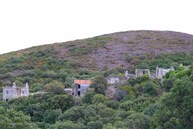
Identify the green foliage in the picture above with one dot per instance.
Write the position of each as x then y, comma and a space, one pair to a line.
88, 97
135, 104
88, 45
119, 94
62, 102
99, 85
138, 80
67, 125
150, 88
108, 126
36, 111
11, 119
55, 87
73, 114
37, 87
132, 91
99, 98
142, 79
151, 109
112, 104
132, 81
106, 112
50, 116
138, 121
95, 125
166, 60
168, 83
138, 106
176, 106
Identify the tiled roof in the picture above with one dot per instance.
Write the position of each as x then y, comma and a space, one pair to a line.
82, 81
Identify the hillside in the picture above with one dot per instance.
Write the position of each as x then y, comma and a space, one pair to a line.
86, 57
109, 50
139, 102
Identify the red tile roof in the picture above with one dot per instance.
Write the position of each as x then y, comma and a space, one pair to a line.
82, 81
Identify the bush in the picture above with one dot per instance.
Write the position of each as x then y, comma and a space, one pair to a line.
99, 98
99, 85
150, 88
54, 87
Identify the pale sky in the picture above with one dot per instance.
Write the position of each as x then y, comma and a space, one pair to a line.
26, 23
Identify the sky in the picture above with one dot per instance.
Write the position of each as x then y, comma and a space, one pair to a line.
27, 23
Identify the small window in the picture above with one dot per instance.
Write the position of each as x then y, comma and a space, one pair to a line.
78, 86
143, 72
7, 92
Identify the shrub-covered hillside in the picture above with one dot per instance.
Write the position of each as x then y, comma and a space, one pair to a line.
87, 58
137, 103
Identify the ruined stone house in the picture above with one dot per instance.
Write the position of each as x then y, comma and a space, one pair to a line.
11, 92
81, 86
185, 67
161, 72
69, 91
128, 75
142, 72
113, 79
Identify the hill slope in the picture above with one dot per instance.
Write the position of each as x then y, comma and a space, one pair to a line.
110, 50
137, 103
98, 53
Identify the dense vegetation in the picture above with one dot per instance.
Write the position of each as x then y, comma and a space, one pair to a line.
138, 103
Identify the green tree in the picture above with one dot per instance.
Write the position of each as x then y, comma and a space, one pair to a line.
35, 111
62, 102
137, 104
11, 119
95, 125
55, 87
138, 121
99, 85
73, 114
151, 109
99, 98
150, 88
37, 87
88, 97
168, 83
112, 104
50, 116
176, 107
142, 79
67, 125
108, 126
50, 74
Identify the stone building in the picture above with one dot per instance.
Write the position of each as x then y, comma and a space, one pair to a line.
112, 79
11, 92
128, 76
141, 72
185, 67
161, 72
81, 86
69, 91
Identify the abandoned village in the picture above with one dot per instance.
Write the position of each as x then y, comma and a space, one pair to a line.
82, 86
